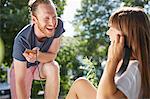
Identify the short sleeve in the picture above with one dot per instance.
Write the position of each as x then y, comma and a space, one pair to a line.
124, 84
19, 48
59, 29
129, 82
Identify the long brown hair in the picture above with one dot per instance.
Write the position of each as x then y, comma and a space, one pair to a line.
135, 25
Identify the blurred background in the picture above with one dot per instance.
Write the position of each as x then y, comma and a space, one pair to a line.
84, 46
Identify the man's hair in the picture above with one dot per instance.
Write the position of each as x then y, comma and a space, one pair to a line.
33, 4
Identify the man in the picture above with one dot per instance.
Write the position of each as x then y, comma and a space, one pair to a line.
42, 37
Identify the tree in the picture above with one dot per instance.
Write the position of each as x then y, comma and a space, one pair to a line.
91, 23
13, 16
67, 59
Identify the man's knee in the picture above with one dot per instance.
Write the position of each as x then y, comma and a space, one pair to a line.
51, 68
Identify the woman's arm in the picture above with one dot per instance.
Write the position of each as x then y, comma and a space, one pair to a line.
107, 87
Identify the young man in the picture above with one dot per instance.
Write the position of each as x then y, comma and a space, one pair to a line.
42, 37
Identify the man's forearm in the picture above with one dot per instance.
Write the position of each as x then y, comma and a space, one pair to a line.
45, 57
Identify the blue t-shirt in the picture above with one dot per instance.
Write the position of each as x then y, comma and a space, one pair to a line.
26, 39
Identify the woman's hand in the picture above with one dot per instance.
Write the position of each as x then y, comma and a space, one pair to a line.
115, 51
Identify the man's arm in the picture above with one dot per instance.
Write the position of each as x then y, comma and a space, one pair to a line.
44, 57
20, 72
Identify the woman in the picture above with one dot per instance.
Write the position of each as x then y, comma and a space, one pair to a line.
134, 25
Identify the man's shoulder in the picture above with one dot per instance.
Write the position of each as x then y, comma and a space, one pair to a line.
60, 23
59, 29
25, 32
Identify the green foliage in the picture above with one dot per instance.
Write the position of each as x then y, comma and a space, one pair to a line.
91, 23
1, 50
3, 72
73, 66
68, 63
60, 6
89, 70
140, 3
13, 16
36, 88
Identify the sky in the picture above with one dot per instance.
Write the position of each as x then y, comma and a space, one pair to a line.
68, 16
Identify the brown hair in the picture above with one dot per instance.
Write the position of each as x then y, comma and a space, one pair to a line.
135, 25
33, 4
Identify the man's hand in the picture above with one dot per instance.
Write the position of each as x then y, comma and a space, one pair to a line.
31, 55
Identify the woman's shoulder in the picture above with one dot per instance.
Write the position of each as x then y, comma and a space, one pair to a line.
130, 81
134, 62
133, 66
132, 70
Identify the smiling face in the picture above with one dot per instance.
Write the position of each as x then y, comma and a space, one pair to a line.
45, 20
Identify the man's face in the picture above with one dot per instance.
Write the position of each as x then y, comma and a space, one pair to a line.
45, 20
